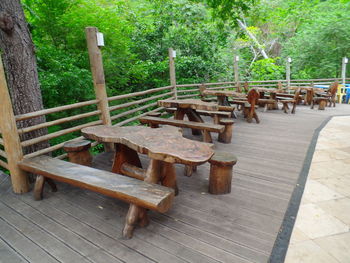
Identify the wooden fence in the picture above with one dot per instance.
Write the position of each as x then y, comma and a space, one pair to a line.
117, 110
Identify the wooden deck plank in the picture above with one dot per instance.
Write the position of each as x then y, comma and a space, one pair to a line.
55, 227
7, 254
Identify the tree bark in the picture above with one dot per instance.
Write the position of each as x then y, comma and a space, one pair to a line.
21, 70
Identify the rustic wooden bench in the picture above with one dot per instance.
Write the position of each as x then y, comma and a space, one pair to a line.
155, 121
133, 191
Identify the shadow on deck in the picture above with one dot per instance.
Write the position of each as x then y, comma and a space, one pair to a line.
74, 225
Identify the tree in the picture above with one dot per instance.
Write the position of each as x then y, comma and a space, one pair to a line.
20, 65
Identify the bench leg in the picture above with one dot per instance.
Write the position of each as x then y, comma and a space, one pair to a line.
124, 154
294, 106
39, 187
255, 116
285, 107
322, 104
226, 135
134, 216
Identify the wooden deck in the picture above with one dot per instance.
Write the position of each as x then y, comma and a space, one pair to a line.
74, 225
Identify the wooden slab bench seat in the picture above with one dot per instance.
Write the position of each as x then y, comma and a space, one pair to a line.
267, 103
208, 127
133, 191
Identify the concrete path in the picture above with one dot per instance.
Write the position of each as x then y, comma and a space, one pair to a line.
322, 229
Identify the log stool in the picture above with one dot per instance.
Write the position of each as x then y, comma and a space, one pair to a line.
226, 135
78, 152
322, 102
154, 114
221, 172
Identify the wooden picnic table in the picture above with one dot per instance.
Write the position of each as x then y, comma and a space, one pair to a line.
189, 108
165, 146
310, 91
223, 95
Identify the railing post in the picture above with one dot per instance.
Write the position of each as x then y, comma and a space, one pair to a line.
289, 60
10, 136
343, 69
236, 72
96, 64
172, 55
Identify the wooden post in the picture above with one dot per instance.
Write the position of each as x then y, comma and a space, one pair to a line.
236, 73
11, 138
98, 77
343, 69
289, 60
172, 55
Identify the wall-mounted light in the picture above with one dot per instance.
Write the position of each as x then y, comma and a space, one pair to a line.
345, 60
100, 40
174, 54
289, 59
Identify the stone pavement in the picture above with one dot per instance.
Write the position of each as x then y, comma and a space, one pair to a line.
322, 229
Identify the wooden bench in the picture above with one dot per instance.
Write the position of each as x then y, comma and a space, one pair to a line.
322, 102
208, 127
139, 194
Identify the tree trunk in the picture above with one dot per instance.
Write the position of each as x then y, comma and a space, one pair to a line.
21, 70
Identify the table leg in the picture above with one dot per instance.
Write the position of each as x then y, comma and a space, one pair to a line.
192, 117
197, 118
124, 154
168, 176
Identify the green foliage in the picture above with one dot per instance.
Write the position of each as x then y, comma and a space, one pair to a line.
267, 69
319, 45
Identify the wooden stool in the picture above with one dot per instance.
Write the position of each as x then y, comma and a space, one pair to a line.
322, 102
78, 152
154, 114
221, 172
226, 135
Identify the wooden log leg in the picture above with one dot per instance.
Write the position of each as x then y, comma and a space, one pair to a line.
207, 137
265, 107
39, 187
132, 219
226, 135
168, 176
322, 105
192, 117
179, 114
312, 104
52, 184
124, 154
188, 170
255, 116
143, 218
216, 119
220, 179
294, 107
245, 112
286, 107
153, 125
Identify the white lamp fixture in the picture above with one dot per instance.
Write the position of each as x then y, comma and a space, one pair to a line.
289, 59
236, 58
174, 54
345, 60
100, 40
